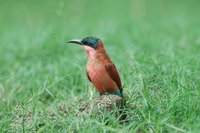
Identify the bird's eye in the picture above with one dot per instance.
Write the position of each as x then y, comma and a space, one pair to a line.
85, 42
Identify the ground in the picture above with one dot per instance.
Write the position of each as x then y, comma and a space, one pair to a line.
154, 44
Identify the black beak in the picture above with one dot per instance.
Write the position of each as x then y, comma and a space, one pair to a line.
76, 41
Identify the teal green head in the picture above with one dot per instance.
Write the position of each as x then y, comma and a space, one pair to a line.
88, 41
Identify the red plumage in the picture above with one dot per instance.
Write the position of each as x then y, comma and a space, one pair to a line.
101, 71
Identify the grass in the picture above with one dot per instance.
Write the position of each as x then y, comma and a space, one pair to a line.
155, 46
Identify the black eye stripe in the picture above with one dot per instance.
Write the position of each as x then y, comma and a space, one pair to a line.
85, 42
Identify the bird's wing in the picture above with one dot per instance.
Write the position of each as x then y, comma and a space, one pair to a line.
113, 73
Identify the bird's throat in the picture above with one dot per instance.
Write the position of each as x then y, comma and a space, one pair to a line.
91, 52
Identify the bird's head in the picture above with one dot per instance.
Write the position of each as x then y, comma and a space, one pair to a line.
90, 44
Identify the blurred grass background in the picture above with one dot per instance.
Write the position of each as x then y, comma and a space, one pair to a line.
155, 45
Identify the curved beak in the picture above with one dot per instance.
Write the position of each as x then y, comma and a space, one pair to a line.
75, 41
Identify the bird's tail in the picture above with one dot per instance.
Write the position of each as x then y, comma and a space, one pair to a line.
117, 92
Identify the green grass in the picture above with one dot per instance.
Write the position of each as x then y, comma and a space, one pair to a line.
154, 44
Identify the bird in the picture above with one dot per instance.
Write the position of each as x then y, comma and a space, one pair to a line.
101, 71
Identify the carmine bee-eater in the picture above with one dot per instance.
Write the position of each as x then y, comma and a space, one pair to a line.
100, 69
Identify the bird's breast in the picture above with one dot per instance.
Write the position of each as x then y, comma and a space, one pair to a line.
94, 69
100, 77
